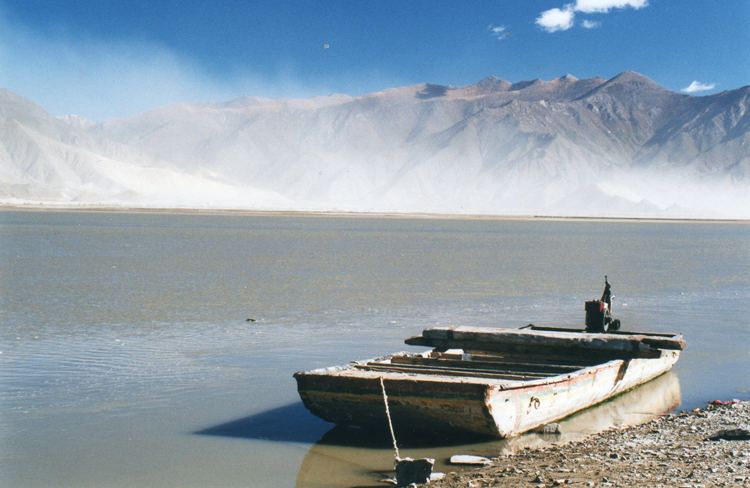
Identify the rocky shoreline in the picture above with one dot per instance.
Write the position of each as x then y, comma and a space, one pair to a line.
703, 448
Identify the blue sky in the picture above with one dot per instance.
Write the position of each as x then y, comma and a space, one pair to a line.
103, 59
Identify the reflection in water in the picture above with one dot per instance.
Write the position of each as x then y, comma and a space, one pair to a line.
352, 458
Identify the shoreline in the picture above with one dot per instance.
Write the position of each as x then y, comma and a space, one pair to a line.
673, 450
351, 214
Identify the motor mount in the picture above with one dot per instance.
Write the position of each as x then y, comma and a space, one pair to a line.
599, 312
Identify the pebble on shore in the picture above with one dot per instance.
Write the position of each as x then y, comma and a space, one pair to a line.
675, 450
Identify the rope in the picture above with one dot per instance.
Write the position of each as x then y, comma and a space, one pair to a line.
388, 414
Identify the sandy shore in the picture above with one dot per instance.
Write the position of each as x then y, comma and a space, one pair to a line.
675, 450
334, 213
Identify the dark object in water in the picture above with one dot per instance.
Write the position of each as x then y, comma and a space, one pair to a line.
409, 471
731, 435
599, 312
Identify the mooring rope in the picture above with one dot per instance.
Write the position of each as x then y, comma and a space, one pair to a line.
390, 424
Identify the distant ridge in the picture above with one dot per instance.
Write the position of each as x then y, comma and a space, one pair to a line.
585, 147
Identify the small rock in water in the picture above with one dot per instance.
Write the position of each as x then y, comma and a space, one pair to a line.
551, 428
466, 459
731, 435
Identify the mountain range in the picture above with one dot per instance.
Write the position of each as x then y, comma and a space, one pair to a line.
623, 147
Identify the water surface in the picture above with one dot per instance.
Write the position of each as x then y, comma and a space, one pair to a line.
127, 360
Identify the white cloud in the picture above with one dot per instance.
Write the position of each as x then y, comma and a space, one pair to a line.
555, 19
604, 6
500, 32
590, 24
697, 86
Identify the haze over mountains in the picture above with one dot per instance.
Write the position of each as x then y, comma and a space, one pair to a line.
591, 147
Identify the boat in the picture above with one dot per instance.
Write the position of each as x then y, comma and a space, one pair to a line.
491, 382
346, 457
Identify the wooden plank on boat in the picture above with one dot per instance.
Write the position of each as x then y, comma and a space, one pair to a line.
554, 353
486, 365
569, 360
468, 371
402, 368
579, 331
622, 342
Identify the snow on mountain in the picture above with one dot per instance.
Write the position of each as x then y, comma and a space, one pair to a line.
595, 147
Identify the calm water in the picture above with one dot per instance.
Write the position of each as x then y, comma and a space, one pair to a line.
126, 358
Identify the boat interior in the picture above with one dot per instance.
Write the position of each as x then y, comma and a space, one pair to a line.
501, 361
474, 364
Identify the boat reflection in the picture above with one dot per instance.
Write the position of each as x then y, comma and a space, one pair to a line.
347, 457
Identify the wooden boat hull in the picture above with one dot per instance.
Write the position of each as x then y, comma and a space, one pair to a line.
519, 410
430, 404
439, 391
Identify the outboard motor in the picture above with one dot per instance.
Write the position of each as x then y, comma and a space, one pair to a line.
599, 312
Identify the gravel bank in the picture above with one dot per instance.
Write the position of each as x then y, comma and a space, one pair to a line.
671, 451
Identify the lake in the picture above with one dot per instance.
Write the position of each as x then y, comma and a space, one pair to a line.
127, 357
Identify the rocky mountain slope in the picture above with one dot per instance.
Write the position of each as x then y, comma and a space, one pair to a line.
51, 160
596, 147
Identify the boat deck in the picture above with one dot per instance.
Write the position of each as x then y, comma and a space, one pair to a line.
454, 365
458, 367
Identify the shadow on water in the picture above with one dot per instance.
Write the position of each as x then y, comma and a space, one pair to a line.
289, 423
294, 423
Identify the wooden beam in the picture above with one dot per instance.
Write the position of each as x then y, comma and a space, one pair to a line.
438, 371
486, 365
571, 352
577, 361
621, 341
463, 367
